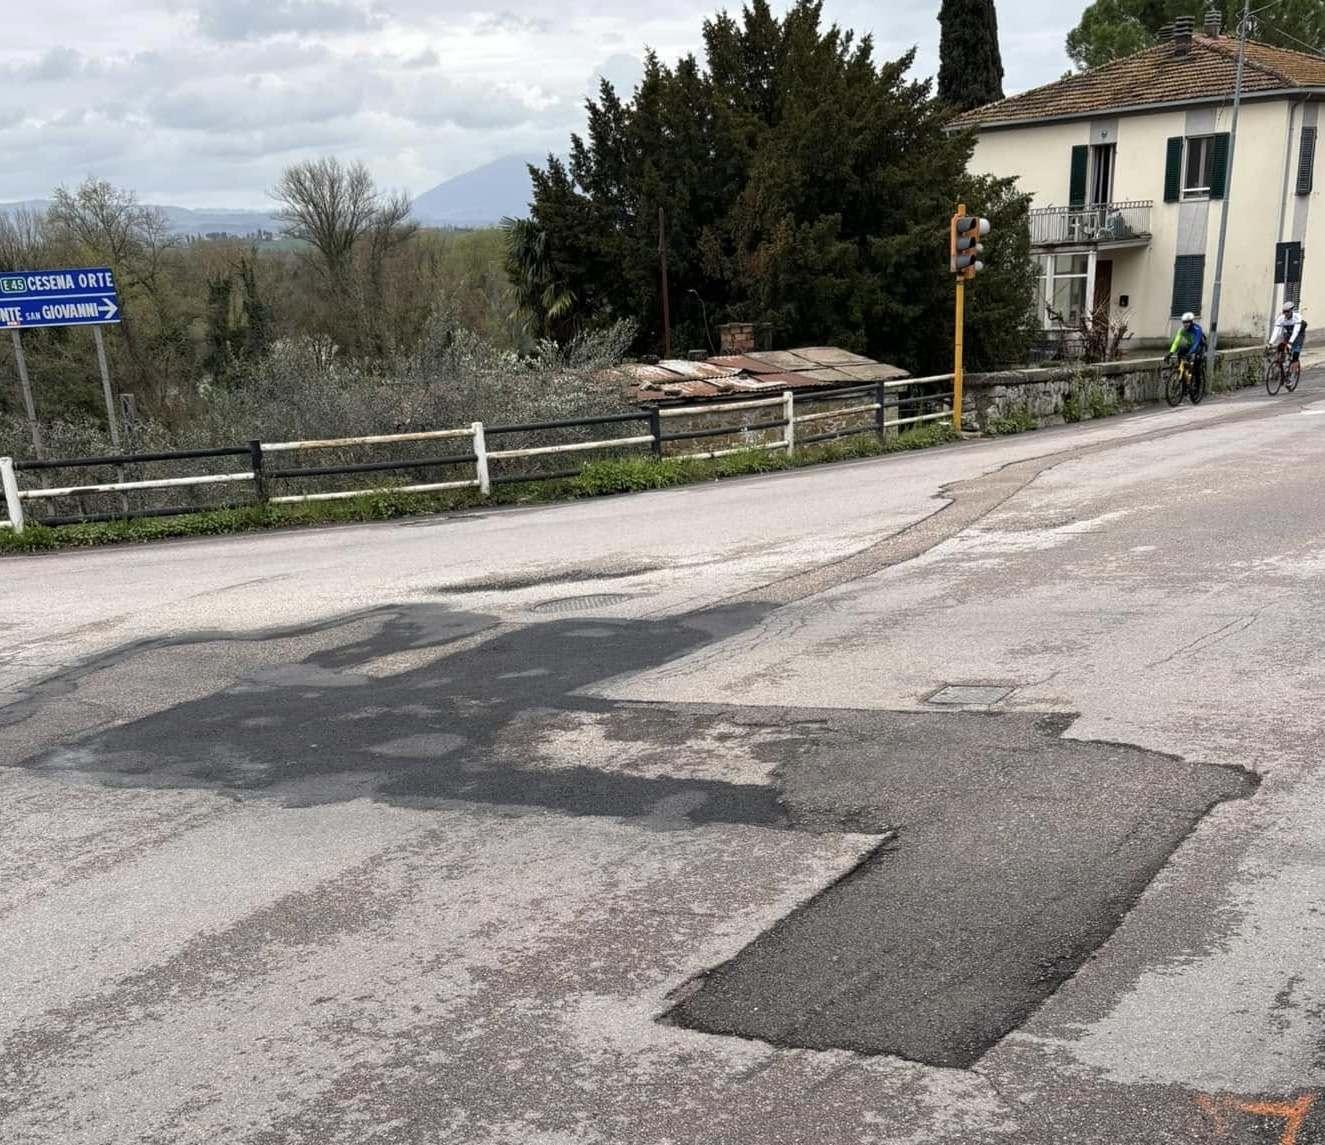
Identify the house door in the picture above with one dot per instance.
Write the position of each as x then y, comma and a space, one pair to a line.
1103, 286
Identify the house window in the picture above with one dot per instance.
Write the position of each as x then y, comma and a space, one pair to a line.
1069, 282
1101, 179
1188, 284
1288, 269
1197, 165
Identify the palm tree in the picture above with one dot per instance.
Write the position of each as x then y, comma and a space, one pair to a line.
540, 298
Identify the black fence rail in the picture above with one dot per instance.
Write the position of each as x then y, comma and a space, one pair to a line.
282, 472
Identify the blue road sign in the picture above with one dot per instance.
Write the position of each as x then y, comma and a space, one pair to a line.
83, 296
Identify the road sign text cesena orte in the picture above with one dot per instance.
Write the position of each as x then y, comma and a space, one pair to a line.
82, 296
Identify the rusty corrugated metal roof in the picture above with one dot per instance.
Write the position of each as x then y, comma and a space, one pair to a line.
746, 363
832, 356
761, 371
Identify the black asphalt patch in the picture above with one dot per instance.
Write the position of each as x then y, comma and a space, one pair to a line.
1017, 853
317, 731
1006, 853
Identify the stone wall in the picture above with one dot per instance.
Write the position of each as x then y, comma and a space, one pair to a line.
1028, 399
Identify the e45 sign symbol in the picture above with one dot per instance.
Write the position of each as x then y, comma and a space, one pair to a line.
12, 284
964, 244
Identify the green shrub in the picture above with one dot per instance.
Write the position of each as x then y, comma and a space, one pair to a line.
1018, 419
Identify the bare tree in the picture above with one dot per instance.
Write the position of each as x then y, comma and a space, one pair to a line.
24, 240
391, 227
330, 206
110, 224
353, 228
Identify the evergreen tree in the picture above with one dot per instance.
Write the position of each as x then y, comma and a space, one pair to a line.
970, 66
806, 187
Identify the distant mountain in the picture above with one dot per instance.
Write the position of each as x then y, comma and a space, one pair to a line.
478, 198
481, 197
186, 222
219, 221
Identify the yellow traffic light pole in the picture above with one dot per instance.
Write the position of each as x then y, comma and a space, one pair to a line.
964, 235
957, 341
957, 357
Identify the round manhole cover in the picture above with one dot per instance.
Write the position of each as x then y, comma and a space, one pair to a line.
587, 603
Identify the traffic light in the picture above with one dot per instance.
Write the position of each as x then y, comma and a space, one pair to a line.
965, 235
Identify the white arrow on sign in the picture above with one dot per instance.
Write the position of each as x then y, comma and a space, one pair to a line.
109, 309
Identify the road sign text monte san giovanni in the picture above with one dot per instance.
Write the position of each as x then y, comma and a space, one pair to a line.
83, 296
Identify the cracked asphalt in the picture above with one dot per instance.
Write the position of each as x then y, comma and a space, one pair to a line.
629, 821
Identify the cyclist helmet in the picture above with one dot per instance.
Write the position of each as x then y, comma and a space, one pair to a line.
1289, 306
1188, 317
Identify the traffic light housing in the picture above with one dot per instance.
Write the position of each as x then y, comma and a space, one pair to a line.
964, 243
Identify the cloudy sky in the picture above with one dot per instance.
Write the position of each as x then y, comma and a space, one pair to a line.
201, 102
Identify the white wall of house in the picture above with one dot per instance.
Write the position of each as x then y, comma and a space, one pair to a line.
1264, 208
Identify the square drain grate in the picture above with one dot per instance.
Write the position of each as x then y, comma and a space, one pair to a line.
974, 694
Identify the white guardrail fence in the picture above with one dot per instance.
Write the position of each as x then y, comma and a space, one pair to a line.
876, 408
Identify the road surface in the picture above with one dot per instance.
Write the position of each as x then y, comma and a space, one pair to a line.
971, 796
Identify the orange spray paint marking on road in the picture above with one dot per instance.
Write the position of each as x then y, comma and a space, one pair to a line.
1294, 1114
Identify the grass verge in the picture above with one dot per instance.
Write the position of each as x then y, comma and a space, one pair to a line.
598, 479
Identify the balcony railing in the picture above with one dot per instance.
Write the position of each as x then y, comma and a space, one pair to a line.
1104, 223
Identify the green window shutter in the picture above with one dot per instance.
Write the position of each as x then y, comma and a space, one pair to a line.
1306, 161
1076, 195
1218, 165
1173, 170
1188, 284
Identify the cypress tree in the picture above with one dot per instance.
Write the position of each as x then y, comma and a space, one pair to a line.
970, 66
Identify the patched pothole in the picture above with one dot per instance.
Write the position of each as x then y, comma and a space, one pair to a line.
589, 602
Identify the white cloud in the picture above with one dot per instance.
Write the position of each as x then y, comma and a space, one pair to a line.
202, 102
257, 19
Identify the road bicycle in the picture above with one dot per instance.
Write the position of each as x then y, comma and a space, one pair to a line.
1180, 382
1278, 373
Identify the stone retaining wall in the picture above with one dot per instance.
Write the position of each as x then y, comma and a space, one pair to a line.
1029, 399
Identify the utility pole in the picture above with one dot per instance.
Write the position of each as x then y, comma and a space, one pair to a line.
1228, 183
666, 306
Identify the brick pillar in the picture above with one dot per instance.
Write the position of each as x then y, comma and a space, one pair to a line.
736, 338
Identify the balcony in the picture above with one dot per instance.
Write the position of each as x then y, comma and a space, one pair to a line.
1107, 224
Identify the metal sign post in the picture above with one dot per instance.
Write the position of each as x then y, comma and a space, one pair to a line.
26, 387
105, 387
79, 296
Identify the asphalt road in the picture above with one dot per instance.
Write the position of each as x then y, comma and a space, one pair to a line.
648, 820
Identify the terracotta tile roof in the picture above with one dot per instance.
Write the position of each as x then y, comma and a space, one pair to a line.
1157, 76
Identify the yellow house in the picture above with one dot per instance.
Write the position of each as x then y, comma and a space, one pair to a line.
1128, 169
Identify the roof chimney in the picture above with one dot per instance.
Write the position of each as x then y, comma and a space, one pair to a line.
1183, 27
1213, 19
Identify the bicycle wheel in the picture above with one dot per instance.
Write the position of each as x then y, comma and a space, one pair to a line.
1196, 391
1173, 386
1293, 376
1274, 377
